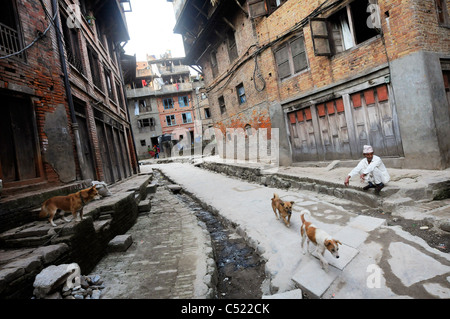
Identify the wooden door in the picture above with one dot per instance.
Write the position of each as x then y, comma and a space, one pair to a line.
19, 160
303, 140
374, 121
333, 130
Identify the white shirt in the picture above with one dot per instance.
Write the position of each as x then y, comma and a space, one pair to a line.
376, 171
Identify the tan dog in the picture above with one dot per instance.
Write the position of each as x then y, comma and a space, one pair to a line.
284, 209
318, 237
71, 203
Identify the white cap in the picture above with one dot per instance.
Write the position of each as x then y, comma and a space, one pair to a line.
367, 149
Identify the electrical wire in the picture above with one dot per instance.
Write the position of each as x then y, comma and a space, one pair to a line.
279, 38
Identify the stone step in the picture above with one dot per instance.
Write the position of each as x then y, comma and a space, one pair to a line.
101, 225
144, 206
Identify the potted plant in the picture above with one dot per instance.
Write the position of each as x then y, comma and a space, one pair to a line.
90, 19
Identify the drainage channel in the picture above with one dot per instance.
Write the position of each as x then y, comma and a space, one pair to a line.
240, 269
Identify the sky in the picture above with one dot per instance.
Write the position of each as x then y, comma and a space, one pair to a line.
150, 26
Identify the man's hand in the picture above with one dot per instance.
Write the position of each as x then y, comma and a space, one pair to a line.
347, 181
362, 177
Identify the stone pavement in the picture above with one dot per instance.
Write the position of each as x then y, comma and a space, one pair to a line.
377, 260
170, 257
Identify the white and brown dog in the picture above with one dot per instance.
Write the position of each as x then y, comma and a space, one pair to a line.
318, 237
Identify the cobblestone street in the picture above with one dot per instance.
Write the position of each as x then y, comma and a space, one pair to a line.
168, 258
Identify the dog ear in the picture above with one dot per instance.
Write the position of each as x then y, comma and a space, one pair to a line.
338, 242
292, 203
327, 242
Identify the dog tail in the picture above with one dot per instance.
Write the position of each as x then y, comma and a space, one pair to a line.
44, 212
304, 212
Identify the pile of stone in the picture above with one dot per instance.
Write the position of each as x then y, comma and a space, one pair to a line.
65, 282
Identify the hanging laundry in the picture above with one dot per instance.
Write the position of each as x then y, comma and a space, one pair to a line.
144, 83
136, 108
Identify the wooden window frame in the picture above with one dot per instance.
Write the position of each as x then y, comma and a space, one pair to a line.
171, 118
185, 119
222, 105
214, 64
442, 13
287, 45
231, 45
166, 103
242, 99
182, 102
259, 8
94, 64
325, 37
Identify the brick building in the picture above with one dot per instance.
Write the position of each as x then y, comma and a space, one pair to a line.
331, 75
162, 96
63, 116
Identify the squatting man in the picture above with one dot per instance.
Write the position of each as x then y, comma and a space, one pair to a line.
370, 169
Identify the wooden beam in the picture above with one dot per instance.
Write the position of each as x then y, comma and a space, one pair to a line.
200, 10
229, 23
242, 8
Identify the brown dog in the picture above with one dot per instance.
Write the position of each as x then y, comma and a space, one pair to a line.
284, 209
71, 203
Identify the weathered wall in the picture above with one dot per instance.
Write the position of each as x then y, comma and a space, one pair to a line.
423, 110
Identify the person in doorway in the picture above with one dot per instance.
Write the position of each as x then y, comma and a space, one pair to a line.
371, 169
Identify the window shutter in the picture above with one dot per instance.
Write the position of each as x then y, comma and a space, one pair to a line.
282, 59
319, 33
298, 54
257, 8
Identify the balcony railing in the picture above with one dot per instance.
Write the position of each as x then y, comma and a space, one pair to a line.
165, 89
10, 41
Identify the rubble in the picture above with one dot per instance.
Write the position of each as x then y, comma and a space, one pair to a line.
64, 282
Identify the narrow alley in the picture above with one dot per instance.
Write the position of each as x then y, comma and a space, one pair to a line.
374, 255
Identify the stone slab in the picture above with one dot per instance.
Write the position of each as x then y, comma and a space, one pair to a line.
351, 236
366, 223
346, 255
291, 294
313, 280
144, 205
120, 243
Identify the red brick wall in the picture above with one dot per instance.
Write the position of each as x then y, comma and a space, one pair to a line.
412, 26
255, 111
40, 75
177, 111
